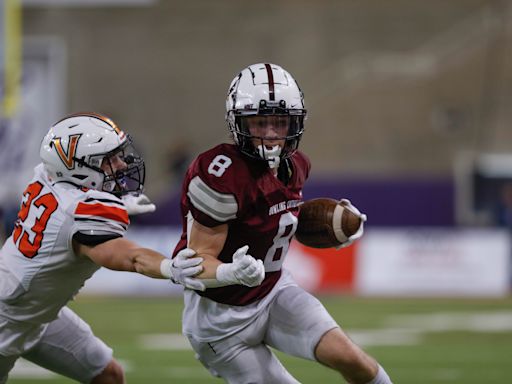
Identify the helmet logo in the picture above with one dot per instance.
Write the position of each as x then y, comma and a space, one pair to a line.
67, 157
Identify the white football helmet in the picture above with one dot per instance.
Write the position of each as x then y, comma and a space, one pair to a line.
265, 89
89, 150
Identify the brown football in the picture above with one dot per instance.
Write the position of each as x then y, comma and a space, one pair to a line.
325, 223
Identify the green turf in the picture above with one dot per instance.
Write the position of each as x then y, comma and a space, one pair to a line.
453, 356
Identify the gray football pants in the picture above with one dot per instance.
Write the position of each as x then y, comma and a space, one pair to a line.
292, 323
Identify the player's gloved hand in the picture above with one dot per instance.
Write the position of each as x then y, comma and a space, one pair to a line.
183, 268
244, 270
348, 205
137, 204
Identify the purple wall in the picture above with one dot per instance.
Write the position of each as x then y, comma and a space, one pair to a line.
387, 202
393, 202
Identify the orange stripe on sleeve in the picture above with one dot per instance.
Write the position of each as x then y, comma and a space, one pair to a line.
97, 209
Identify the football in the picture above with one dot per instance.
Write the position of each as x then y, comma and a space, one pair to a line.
326, 223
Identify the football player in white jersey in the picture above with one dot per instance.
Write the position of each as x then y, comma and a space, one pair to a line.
249, 193
73, 216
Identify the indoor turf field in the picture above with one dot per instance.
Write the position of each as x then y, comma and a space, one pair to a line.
420, 341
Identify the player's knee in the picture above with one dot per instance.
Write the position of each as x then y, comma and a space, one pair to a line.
112, 374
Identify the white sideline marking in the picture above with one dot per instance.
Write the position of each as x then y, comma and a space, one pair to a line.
165, 341
409, 329
386, 336
400, 330
489, 322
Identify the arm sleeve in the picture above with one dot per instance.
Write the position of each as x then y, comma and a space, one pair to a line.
92, 240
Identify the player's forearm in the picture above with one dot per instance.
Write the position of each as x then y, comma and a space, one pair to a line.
148, 262
244, 270
208, 243
210, 264
209, 250
141, 260
123, 255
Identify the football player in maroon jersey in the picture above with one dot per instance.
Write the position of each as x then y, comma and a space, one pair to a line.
245, 197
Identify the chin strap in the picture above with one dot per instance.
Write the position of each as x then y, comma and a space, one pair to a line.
271, 155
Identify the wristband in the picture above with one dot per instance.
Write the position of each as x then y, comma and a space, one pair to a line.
165, 268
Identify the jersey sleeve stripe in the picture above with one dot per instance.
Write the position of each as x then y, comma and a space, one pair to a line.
109, 201
105, 211
210, 212
91, 220
220, 206
220, 197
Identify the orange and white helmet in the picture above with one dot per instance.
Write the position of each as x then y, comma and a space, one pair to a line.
89, 150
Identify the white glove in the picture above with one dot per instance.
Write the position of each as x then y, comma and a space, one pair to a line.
137, 204
182, 268
244, 270
348, 205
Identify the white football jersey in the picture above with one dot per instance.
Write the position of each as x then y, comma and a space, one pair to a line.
39, 272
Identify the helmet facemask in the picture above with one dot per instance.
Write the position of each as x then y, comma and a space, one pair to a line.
289, 123
123, 169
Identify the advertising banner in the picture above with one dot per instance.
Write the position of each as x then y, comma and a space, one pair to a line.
435, 262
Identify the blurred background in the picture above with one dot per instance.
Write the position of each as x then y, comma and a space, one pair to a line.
408, 116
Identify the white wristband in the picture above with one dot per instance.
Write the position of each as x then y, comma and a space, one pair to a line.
165, 268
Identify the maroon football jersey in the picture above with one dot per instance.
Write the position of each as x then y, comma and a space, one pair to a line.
223, 186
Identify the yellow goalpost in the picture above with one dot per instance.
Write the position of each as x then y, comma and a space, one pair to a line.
10, 23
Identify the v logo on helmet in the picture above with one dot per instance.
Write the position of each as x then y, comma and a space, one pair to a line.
68, 155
